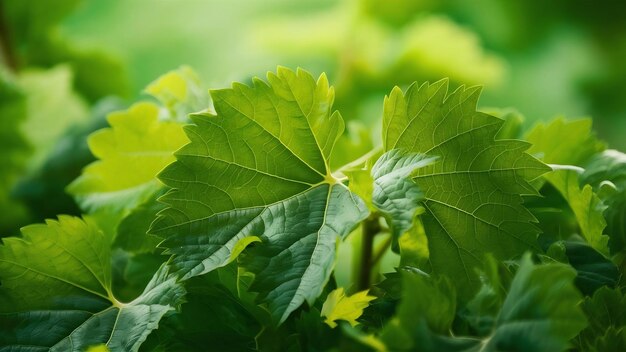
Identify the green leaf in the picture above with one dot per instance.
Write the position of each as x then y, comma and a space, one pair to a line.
585, 204
427, 309
56, 292
180, 91
132, 232
339, 306
472, 195
132, 152
569, 142
395, 195
540, 313
606, 172
593, 269
260, 168
606, 312
211, 319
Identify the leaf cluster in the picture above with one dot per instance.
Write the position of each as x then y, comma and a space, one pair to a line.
219, 223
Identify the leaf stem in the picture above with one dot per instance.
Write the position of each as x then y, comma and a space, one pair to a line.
381, 250
370, 228
361, 160
6, 51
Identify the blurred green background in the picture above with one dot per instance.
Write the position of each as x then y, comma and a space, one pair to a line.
67, 63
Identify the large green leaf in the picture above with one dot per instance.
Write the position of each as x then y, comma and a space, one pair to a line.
540, 313
259, 168
472, 194
132, 152
56, 292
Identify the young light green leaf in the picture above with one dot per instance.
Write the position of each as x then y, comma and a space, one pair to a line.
339, 306
132, 152
260, 168
56, 292
180, 91
473, 193
395, 195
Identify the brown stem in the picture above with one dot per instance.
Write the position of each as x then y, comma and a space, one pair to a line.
381, 250
370, 228
6, 49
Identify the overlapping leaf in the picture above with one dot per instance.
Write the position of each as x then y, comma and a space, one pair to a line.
606, 172
571, 143
472, 194
394, 194
539, 313
132, 151
56, 292
259, 167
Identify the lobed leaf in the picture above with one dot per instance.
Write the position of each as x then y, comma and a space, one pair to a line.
259, 167
339, 306
473, 193
56, 292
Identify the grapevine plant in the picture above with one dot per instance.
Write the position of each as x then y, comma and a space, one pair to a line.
220, 222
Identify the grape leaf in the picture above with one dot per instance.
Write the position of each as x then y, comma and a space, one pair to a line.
585, 204
606, 172
56, 292
472, 194
259, 167
180, 91
564, 141
132, 152
539, 313
572, 143
395, 194
339, 306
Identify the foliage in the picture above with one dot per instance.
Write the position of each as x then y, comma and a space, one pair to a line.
215, 223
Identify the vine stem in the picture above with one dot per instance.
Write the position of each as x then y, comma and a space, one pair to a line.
6, 50
370, 228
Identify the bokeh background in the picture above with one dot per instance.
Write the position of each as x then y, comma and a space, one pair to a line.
67, 63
